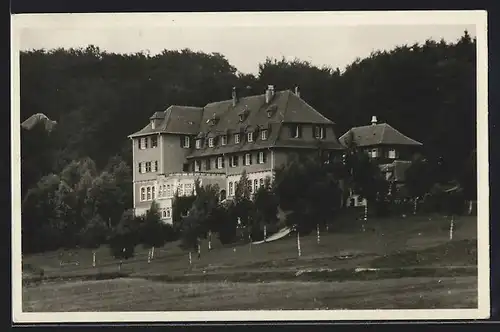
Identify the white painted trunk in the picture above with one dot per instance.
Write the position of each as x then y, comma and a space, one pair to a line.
199, 250
317, 234
470, 207
152, 252
415, 206
365, 219
149, 255
190, 258
299, 252
93, 259
209, 240
451, 228
265, 232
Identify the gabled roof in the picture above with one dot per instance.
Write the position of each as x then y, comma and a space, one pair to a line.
174, 120
37, 118
377, 134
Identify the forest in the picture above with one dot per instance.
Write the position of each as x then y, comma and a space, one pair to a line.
76, 179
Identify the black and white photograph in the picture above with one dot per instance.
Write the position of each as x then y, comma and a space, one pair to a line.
254, 166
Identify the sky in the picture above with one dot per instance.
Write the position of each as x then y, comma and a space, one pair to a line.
245, 43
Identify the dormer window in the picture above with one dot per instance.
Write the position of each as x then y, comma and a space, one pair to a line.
319, 132
223, 140
271, 110
243, 114
211, 142
296, 131
374, 153
236, 138
250, 136
392, 154
198, 143
186, 142
263, 134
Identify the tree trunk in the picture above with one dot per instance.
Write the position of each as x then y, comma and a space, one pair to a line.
265, 233
415, 206
149, 255
209, 240
93, 259
451, 228
365, 218
469, 211
152, 252
299, 253
190, 259
317, 233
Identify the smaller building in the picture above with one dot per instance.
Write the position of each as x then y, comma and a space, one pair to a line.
389, 148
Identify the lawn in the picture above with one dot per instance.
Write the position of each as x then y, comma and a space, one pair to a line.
407, 251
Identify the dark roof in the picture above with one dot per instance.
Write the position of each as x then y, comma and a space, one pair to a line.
377, 134
175, 120
222, 118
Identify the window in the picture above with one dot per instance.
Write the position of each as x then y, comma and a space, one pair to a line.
296, 131
263, 134
234, 161
198, 143
142, 143
143, 194
160, 191
250, 137
211, 142
180, 188
230, 189
196, 165
248, 159
236, 138
220, 162
186, 142
169, 190
140, 168
319, 132
164, 213
261, 181
148, 166
169, 213
262, 157
155, 166
373, 153
153, 192
223, 140
148, 196
255, 185
392, 154
188, 188
154, 141
249, 185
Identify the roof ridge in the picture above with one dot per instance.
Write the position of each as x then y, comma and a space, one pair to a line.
310, 107
280, 124
383, 133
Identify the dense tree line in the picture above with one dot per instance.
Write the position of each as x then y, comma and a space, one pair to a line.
72, 186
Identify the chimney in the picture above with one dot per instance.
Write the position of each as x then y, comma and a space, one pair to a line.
269, 93
235, 96
374, 120
297, 92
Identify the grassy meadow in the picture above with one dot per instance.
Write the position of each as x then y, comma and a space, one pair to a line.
398, 263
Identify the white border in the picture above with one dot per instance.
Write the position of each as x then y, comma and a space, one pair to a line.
122, 20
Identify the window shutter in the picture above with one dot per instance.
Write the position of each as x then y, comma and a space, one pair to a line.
324, 131
181, 141
236, 160
223, 162
264, 157
300, 130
